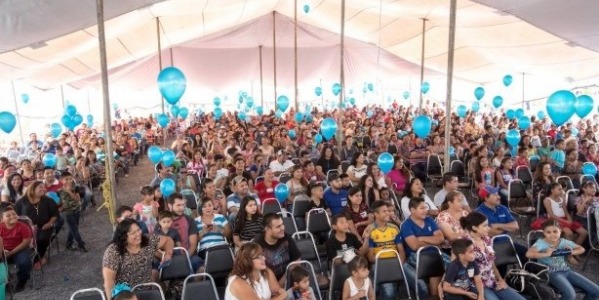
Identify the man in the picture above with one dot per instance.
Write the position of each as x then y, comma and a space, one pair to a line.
383, 235
278, 248
450, 184
163, 173
33, 142
281, 164
239, 187
334, 195
240, 170
186, 227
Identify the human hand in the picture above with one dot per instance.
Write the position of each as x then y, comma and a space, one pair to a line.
501, 284
549, 252
47, 226
471, 295
361, 294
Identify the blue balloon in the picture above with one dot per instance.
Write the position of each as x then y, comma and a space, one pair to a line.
524, 122
512, 137
510, 114
25, 98
479, 93
385, 162
584, 105
422, 126
55, 129
318, 138
541, 114
352, 101
462, 111
216, 101
162, 120
497, 101
336, 89
328, 128
406, 95
183, 112
279, 114
249, 102
241, 115
259, 110
167, 187
218, 113
589, 168
306, 8
369, 114
90, 118
174, 111
154, 154
7, 121
425, 87
318, 91
70, 110
281, 192
172, 84
309, 119
519, 113
282, 103
115, 105
67, 121
475, 107
561, 106
77, 119
54, 196
507, 80
292, 134
49, 160
168, 158
370, 87
298, 117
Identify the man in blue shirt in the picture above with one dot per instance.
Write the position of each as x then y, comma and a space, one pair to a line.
334, 196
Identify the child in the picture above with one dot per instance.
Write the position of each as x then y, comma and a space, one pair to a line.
550, 251
71, 205
462, 278
358, 286
342, 241
393, 215
385, 194
557, 157
165, 221
16, 237
522, 158
147, 208
555, 204
316, 193
248, 223
122, 291
62, 162
301, 289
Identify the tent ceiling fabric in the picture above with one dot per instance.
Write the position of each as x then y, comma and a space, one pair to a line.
493, 38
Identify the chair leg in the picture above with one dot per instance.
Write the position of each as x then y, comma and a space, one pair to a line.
586, 260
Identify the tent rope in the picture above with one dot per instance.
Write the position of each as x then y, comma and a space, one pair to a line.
107, 196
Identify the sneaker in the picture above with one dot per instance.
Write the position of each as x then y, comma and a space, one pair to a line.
82, 249
71, 248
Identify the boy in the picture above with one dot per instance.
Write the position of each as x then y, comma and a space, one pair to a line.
462, 278
71, 205
165, 221
316, 194
557, 157
16, 237
301, 289
342, 241
346, 182
62, 161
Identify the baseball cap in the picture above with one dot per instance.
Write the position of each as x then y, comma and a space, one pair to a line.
483, 193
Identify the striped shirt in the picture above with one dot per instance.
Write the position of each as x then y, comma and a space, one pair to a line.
211, 238
249, 229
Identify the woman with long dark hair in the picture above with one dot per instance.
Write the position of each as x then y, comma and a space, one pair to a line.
14, 188
248, 223
416, 189
327, 161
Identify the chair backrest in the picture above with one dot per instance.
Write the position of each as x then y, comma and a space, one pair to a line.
571, 196
219, 261
180, 266
33, 229
331, 172
190, 198
533, 236
300, 206
339, 273
307, 247
505, 252
533, 161
344, 166
271, 205
433, 165
565, 181
429, 262
587, 177
148, 291
88, 294
193, 287
457, 167
516, 189
284, 177
289, 223
312, 276
317, 221
386, 270
524, 174
592, 227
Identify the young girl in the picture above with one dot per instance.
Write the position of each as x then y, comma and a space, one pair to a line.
484, 174
504, 175
358, 286
248, 223
555, 205
147, 208
560, 275
587, 198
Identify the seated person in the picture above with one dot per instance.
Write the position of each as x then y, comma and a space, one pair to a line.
462, 280
126, 212
17, 237
342, 241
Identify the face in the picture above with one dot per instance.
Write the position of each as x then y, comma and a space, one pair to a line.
251, 208
362, 273
166, 223
552, 233
557, 190
469, 254
303, 285
328, 153
417, 187
420, 211
482, 229
242, 187
134, 235
385, 194
178, 207
337, 183
276, 230
382, 214
356, 198
10, 217
590, 189
453, 184
16, 181
259, 261
268, 175
317, 192
49, 175
240, 165
40, 190
457, 201
484, 162
360, 159
341, 225
547, 170
297, 174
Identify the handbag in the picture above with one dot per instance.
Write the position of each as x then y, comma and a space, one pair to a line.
532, 281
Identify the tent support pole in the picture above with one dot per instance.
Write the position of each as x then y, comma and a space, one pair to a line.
274, 55
106, 105
450, 56
14, 93
295, 54
339, 134
170, 50
422, 58
261, 77
523, 90
89, 106
378, 57
159, 70
62, 95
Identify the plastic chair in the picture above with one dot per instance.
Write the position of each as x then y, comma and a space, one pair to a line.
317, 221
219, 263
304, 241
434, 168
516, 190
284, 177
524, 175
593, 239
193, 288
505, 252
190, 198
289, 223
271, 205
312, 276
429, 264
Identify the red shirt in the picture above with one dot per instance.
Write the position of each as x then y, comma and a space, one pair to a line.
55, 187
264, 192
14, 237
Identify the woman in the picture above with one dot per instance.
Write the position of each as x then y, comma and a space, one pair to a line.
42, 211
310, 173
449, 219
543, 178
357, 168
398, 177
248, 223
27, 172
497, 157
369, 189
327, 161
14, 188
218, 198
297, 185
495, 287
213, 228
415, 189
357, 213
128, 258
265, 189
587, 198
196, 165
573, 167
437, 148
378, 176
251, 279
267, 149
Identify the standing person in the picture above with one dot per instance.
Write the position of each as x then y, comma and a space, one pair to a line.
72, 211
560, 274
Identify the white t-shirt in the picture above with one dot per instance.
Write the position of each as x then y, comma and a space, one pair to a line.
440, 197
406, 210
358, 172
276, 166
261, 288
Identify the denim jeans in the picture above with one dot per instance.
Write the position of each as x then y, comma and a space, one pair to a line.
73, 224
505, 294
390, 290
59, 223
23, 261
565, 281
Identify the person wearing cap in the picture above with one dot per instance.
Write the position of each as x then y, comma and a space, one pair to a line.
281, 164
334, 196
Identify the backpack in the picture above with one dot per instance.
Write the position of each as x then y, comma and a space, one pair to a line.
532, 281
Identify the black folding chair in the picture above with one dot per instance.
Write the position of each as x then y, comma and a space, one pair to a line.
429, 264
339, 273
389, 270
88, 294
148, 291
197, 285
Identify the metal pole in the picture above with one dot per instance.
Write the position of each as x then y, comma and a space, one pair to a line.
422, 59
378, 55
523, 90
106, 104
339, 134
14, 93
295, 53
159, 70
274, 55
170, 50
261, 77
89, 106
62, 95
450, 54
